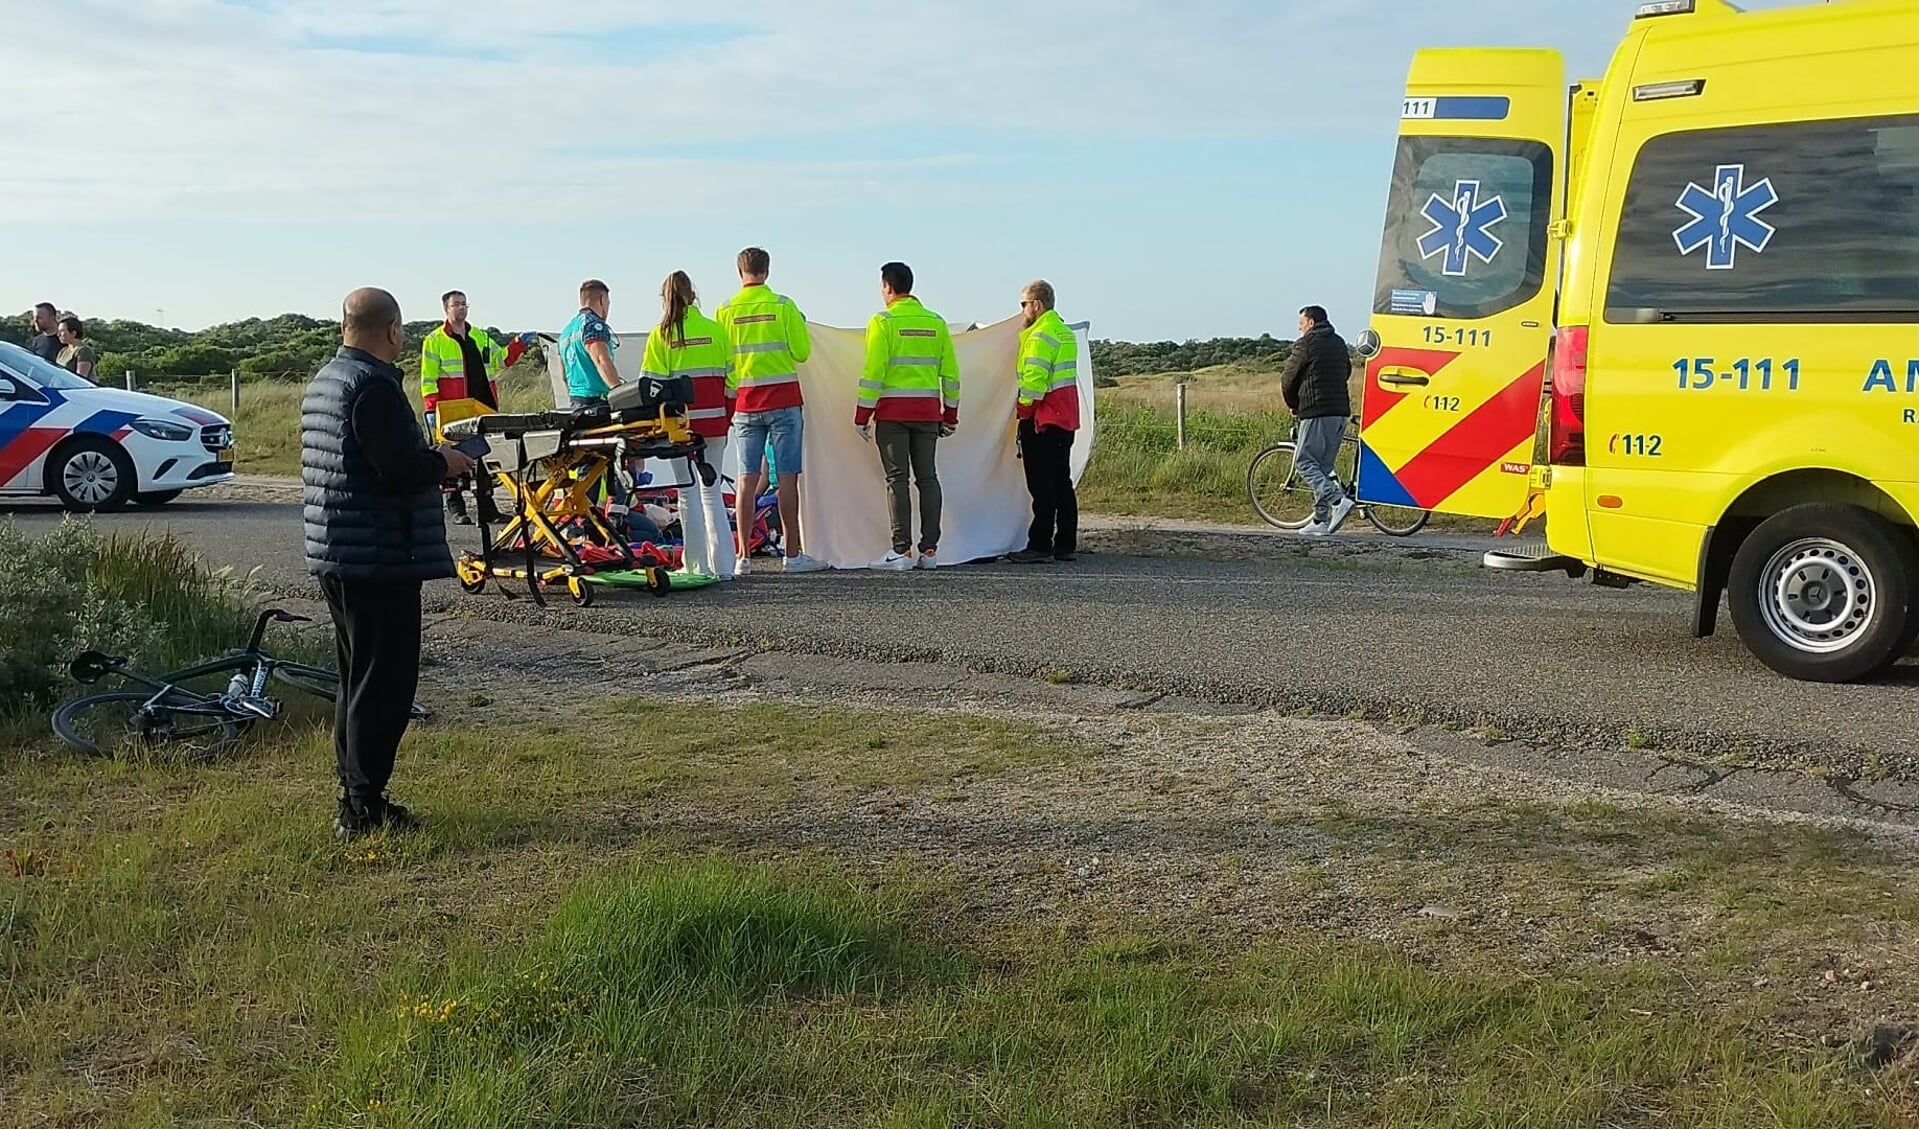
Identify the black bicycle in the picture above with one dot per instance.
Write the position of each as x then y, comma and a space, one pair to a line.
1280, 495
171, 713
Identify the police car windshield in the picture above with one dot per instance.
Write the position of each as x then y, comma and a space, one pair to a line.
43, 374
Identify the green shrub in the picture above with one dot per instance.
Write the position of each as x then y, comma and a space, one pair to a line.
149, 599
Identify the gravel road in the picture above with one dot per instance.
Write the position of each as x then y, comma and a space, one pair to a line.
1410, 629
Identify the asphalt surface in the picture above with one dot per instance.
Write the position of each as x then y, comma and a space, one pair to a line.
1409, 629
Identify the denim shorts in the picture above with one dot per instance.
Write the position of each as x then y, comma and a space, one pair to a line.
782, 426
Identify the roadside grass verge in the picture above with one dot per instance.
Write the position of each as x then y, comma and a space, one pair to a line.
596, 928
1138, 469
150, 599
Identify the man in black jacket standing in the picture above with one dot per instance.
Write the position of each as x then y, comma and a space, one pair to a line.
1315, 388
375, 532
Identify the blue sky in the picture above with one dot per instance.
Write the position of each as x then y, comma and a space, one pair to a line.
1176, 169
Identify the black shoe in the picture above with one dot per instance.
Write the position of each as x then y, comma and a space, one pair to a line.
1067, 557
364, 817
353, 821
456, 510
396, 818
1028, 556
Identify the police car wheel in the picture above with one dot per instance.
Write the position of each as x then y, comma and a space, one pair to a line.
91, 474
1823, 593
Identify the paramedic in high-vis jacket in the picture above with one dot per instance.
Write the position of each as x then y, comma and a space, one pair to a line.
908, 401
1048, 410
1314, 385
458, 361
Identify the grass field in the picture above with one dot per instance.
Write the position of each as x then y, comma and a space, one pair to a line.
626, 911
1137, 467
186, 944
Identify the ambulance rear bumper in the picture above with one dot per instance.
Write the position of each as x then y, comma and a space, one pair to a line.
1536, 557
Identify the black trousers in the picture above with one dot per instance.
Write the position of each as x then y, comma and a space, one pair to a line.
1048, 456
376, 634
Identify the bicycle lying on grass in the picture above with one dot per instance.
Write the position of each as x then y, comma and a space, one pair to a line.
1281, 496
170, 712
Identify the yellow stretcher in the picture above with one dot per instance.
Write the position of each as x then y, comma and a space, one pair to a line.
553, 464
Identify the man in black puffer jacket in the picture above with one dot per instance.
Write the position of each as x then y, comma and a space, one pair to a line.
375, 532
1315, 389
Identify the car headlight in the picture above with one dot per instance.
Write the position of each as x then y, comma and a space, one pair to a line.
162, 429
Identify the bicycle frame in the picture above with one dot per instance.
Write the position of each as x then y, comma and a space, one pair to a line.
89, 666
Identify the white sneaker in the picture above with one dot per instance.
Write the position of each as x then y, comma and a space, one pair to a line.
929, 560
1316, 529
800, 562
894, 562
742, 566
1341, 511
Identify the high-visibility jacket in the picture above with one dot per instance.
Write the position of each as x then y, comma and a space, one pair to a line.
911, 373
770, 343
702, 353
1049, 373
443, 374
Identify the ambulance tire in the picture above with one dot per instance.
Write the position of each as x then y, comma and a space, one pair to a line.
1807, 546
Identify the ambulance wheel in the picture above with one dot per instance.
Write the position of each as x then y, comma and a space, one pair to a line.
474, 586
581, 591
658, 582
1825, 593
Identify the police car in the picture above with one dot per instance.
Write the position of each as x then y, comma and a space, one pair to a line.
100, 448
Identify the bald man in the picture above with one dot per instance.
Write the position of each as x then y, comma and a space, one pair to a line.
375, 532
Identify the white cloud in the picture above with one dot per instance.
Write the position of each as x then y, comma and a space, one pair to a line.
201, 108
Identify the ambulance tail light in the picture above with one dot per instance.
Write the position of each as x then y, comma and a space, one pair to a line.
1566, 436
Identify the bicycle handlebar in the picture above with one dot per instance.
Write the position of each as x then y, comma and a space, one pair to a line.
272, 615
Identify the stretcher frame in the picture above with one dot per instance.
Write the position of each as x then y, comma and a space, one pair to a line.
553, 477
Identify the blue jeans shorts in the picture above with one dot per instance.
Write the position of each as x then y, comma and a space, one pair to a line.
754, 429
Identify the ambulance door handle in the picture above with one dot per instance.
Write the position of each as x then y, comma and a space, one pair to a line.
1404, 376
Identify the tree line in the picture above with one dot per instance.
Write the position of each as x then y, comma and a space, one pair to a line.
296, 345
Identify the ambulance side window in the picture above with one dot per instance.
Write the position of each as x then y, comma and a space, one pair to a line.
1465, 227
1802, 221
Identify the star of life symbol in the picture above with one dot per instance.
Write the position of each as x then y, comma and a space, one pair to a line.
1462, 228
1726, 217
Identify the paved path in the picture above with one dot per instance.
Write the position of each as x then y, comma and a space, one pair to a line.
1410, 628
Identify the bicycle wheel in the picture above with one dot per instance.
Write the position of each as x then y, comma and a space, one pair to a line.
1396, 521
325, 685
104, 724
1279, 495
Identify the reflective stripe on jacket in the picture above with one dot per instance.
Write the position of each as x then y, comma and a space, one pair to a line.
702, 353
1049, 373
911, 373
770, 343
443, 374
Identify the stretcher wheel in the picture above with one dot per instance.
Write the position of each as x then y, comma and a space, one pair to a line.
581, 591
472, 574
657, 581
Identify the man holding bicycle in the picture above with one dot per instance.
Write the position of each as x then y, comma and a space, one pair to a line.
1314, 385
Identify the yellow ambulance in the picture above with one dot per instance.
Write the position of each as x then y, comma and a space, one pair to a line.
1679, 307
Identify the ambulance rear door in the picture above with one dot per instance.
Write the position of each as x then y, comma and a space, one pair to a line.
1464, 298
